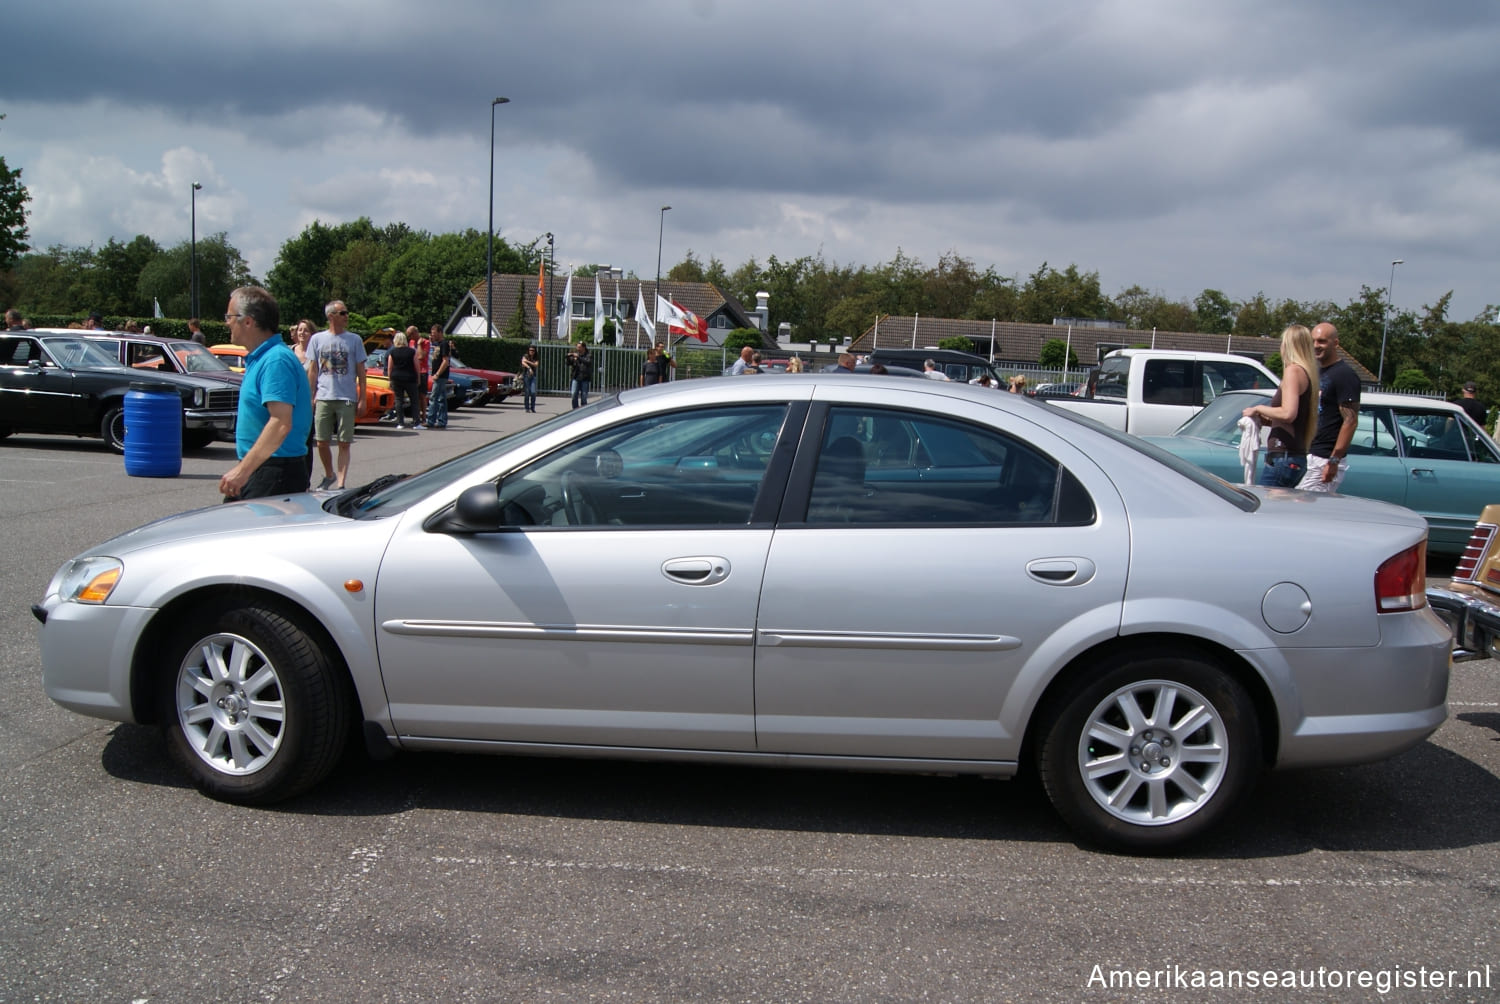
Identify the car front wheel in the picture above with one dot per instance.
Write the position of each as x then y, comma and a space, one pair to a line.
252, 709
1151, 752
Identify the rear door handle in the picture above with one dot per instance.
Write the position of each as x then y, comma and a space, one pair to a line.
704, 570
1068, 571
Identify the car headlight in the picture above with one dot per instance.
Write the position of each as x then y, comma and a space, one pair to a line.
199, 397
87, 580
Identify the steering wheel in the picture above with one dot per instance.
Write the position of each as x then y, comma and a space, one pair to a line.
576, 502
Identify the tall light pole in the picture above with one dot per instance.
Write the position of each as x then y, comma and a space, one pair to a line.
489, 248
193, 252
660, 229
551, 262
1385, 322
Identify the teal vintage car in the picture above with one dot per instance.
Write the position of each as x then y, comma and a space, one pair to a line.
1417, 452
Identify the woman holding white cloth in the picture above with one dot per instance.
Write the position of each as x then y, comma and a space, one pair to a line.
1291, 413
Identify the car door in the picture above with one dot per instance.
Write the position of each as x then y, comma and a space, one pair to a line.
924, 563
1452, 470
1376, 469
619, 610
35, 392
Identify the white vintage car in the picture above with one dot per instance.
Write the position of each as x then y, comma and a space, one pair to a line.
801, 570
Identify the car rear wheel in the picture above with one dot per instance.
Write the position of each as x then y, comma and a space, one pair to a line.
112, 428
251, 708
1153, 751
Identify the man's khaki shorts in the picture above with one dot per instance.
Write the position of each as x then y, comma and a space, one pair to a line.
333, 421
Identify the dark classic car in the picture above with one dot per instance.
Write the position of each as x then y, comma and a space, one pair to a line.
66, 384
166, 355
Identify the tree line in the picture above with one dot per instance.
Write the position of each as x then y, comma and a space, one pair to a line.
411, 276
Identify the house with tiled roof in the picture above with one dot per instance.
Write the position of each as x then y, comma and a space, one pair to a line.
1015, 344
511, 293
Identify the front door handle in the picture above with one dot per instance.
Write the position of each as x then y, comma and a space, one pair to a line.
705, 570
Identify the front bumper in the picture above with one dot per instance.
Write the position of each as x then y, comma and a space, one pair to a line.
1473, 617
219, 421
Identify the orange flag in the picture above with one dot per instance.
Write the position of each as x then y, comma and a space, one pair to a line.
541, 300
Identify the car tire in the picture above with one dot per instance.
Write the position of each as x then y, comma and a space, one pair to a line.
1154, 750
252, 709
112, 428
197, 439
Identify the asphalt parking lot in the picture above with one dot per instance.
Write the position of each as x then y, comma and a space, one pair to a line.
437, 877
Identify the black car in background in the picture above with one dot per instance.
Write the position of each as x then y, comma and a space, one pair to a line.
66, 384
165, 355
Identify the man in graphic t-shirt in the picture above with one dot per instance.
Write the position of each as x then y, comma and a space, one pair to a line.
336, 377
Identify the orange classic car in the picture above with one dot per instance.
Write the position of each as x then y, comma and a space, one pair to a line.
379, 398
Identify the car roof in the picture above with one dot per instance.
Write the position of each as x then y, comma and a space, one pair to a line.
1384, 399
1186, 354
132, 335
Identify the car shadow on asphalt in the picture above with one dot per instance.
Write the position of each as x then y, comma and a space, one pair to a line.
1426, 799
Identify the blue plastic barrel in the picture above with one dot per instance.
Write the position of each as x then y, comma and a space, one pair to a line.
153, 432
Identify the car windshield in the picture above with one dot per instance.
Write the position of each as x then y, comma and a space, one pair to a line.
1218, 422
197, 359
399, 495
80, 353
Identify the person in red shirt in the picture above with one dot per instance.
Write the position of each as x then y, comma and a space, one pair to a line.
423, 346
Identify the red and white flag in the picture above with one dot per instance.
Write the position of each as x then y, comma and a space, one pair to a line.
680, 322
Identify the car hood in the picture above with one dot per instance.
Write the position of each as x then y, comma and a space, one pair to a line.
254, 516
191, 381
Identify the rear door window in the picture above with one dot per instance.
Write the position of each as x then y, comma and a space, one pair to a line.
894, 467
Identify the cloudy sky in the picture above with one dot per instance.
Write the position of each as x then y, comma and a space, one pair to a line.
1294, 148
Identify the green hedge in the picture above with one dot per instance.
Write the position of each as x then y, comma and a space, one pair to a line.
169, 327
490, 353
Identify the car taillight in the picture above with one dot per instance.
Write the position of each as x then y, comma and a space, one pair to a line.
1479, 542
1401, 580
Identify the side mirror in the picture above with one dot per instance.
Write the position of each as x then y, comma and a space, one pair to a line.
477, 510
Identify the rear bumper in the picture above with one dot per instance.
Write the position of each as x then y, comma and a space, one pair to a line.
1363, 705
1472, 616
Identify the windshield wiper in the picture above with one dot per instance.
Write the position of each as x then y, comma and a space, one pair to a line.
349, 501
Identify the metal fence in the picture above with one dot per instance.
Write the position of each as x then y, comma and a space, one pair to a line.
617, 368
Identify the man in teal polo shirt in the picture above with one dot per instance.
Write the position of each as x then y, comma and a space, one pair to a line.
270, 435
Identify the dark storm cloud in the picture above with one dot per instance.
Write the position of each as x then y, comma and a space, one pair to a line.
1367, 123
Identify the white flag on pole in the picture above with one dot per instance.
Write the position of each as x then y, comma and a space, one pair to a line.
643, 316
669, 312
156, 306
598, 313
565, 315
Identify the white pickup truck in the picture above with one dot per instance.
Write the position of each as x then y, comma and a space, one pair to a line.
1150, 392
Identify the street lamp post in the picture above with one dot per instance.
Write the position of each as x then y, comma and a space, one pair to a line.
193, 254
1385, 322
489, 247
660, 229
551, 268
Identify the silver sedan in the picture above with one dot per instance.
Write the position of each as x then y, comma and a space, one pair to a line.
801, 570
